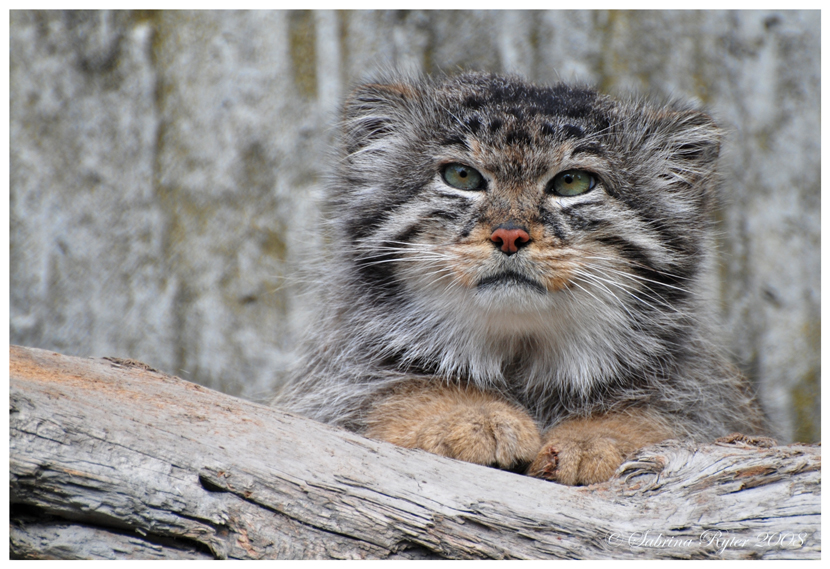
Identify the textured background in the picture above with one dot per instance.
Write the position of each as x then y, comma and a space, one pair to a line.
165, 166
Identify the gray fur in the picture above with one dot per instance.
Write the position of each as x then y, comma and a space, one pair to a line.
630, 329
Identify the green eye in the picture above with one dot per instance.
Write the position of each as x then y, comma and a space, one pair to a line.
572, 183
462, 177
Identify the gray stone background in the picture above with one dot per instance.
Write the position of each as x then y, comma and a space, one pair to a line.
165, 166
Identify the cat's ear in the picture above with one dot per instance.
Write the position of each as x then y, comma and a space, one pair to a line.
692, 138
373, 112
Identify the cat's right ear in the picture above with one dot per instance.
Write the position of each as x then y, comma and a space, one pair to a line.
372, 112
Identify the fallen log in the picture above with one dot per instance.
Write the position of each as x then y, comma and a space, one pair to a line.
112, 459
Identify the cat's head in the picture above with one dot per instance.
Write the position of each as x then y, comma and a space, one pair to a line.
516, 196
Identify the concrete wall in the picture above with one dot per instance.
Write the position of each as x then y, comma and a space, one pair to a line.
164, 167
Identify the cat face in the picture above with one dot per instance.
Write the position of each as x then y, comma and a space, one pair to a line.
494, 195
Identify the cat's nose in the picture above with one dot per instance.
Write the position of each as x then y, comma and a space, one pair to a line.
510, 237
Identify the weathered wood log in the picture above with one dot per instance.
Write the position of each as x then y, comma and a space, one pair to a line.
111, 459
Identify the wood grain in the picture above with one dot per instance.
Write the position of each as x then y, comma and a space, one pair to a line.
111, 459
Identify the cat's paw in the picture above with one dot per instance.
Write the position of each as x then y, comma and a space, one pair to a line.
466, 424
589, 450
577, 462
494, 435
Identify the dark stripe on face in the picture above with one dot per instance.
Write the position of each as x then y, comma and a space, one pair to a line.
360, 225
377, 274
589, 148
467, 229
461, 201
685, 245
582, 220
406, 235
669, 284
681, 241
359, 228
628, 250
552, 222
444, 214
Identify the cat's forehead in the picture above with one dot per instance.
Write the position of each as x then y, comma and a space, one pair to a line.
494, 92
519, 110
504, 121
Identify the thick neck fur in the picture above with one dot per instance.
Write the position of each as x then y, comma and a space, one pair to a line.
567, 339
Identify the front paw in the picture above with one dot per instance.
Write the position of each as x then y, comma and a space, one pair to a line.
493, 435
589, 450
466, 424
577, 462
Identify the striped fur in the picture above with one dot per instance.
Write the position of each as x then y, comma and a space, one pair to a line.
602, 311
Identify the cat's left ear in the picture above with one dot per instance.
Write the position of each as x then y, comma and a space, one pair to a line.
692, 138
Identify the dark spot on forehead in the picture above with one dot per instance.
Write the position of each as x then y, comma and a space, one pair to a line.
495, 125
517, 112
572, 131
563, 101
563, 131
474, 124
474, 102
517, 137
455, 140
548, 129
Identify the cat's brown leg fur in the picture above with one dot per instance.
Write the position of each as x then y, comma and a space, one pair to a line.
586, 451
467, 424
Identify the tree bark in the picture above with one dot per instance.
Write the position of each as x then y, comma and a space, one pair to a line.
112, 459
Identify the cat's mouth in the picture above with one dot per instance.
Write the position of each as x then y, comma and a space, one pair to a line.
511, 278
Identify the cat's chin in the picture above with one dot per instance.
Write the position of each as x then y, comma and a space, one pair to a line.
509, 294
511, 283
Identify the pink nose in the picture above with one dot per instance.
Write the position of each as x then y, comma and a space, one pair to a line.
509, 240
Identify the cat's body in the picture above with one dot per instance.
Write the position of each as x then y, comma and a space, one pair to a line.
510, 259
